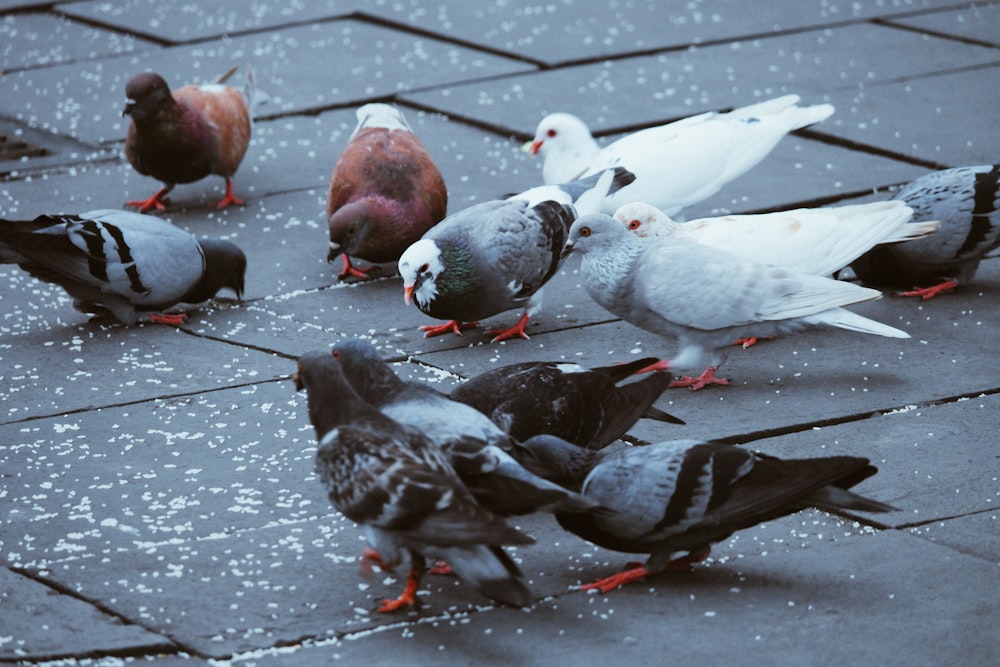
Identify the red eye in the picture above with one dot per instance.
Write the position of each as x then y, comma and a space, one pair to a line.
336, 354
551, 133
585, 231
634, 224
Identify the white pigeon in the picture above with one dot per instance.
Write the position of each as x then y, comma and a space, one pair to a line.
677, 164
705, 297
820, 241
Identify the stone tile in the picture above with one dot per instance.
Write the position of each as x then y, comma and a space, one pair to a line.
40, 40
975, 23
649, 90
943, 124
972, 534
70, 626
292, 66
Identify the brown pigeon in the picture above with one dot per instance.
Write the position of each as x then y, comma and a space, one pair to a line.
185, 135
385, 191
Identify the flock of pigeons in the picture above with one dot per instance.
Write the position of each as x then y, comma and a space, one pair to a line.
434, 477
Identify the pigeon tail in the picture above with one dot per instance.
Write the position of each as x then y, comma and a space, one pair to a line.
490, 570
842, 318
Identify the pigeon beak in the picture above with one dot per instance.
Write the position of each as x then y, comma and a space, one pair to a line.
566, 251
334, 251
128, 108
532, 147
408, 294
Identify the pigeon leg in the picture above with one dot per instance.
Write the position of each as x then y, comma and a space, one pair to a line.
408, 598
638, 572
230, 198
516, 330
932, 291
453, 326
351, 270
371, 557
440, 568
749, 341
174, 319
700, 382
157, 201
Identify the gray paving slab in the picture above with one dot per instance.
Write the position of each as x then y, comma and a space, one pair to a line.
845, 601
652, 89
977, 23
973, 534
85, 99
69, 626
40, 40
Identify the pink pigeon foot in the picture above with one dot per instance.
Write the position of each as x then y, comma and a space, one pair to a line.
174, 319
700, 382
351, 270
516, 330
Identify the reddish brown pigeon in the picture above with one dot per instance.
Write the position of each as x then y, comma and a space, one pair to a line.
185, 135
385, 191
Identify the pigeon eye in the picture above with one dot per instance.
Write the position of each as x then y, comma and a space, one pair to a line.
634, 224
336, 354
585, 231
423, 267
551, 133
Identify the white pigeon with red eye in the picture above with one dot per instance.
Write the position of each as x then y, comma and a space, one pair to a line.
819, 241
677, 164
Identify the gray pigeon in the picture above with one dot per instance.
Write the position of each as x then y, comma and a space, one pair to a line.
391, 479
705, 297
685, 495
476, 447
584, 406
497, 255
122, 263
966, 201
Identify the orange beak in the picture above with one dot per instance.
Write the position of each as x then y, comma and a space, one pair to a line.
407, 294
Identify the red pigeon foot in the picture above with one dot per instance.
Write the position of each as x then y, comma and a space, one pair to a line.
453, 326
926, 293
351, 270
750, 341
638, 572
516, 330
408, 598
230, 198
174, 319
157, 201
369, 558
700, 382
440, 568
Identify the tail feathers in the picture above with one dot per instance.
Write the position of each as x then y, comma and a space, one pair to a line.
913, 230
490, 570
765, 108
659, 415
799, 117
250, 90
832, 498
842, 318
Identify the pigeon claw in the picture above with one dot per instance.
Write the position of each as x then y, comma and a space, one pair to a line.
516, 330
157, 201
705, 379
230, 198
408, 598
608, 584
350, 270
440, 568
451, 326
175, 319
926, 293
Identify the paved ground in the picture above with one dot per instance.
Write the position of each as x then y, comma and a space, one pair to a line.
158, 503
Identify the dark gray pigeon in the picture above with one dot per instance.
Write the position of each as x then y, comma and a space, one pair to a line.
966, 201
584, 406
391, 479
497, 255
685, 495
705, 297
477, 448
122, 263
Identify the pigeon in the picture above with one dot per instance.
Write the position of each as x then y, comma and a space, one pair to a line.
967, 202
185, 135
685, 495
706, 297
820, 241
497, 255
122, 263
584, 406
476, 447
385, 191
392, 480
677, 164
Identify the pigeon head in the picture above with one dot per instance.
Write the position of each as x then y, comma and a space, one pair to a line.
596, 233
366, 371
560, 131
643, 220
556, 460
225, 266
420, 265
332, 401
148, 93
